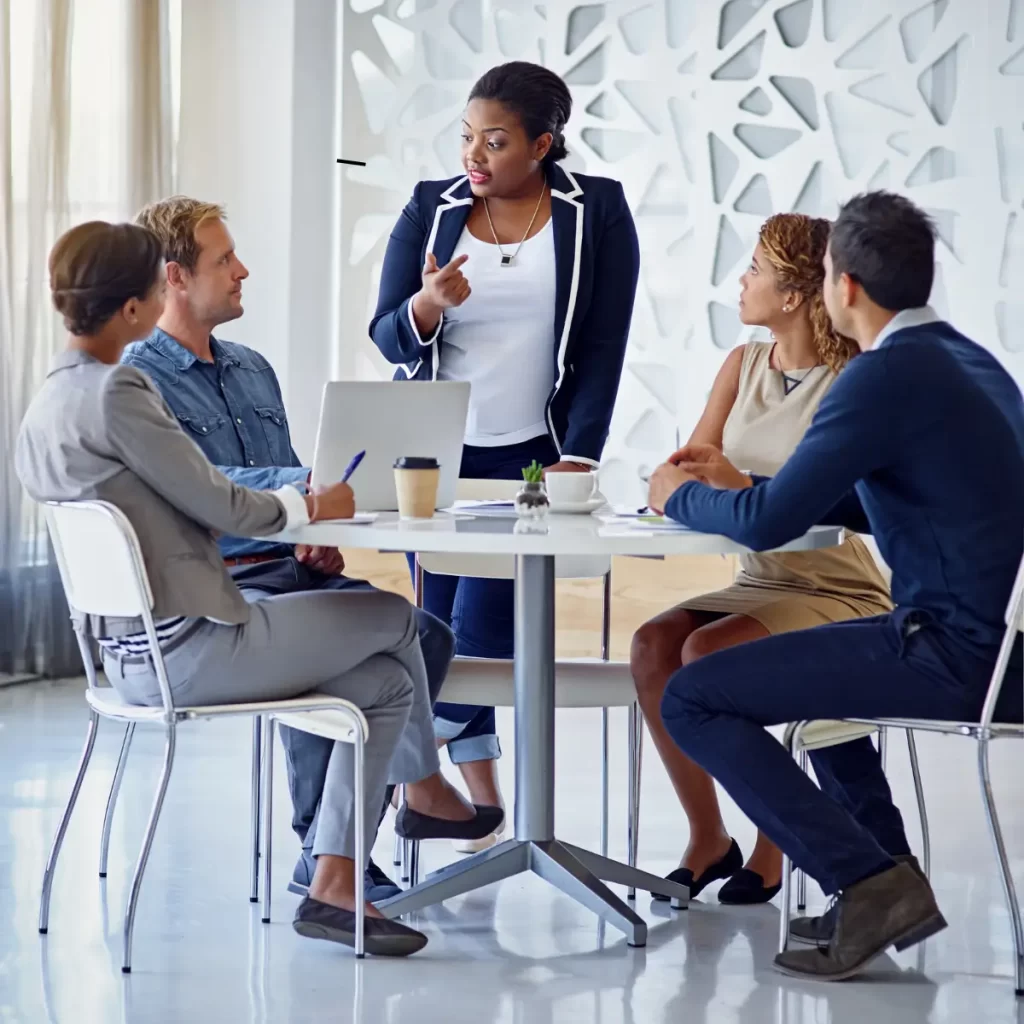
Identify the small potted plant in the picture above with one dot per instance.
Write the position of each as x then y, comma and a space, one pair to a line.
532, 500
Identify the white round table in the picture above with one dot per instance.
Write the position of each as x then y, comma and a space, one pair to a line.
575, 871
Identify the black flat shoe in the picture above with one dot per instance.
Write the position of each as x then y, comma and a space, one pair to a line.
728, 865
381, 937
747, 887
410, 824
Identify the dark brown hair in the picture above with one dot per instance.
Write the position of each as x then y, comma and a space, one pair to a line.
96, 267
795, 245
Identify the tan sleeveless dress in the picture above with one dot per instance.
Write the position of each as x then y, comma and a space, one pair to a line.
795, 590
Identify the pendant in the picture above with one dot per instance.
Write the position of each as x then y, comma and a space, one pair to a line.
506, 259
790, 384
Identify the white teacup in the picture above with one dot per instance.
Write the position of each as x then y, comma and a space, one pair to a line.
570, 488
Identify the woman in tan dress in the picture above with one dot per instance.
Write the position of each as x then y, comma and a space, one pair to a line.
761, 404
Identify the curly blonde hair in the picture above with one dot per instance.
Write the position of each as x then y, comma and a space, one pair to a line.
795, 246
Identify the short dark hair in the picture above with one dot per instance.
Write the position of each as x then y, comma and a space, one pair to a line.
535, 94
887, 245
96, 267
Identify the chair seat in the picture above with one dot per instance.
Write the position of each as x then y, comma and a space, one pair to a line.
827, 733
314, 714
579, 683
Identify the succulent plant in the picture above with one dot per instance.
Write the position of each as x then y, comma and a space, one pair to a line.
533, 473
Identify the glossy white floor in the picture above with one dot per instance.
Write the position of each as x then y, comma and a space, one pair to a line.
517, 953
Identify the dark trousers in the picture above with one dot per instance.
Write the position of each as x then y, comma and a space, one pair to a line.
898, 665
480, 612
307, 769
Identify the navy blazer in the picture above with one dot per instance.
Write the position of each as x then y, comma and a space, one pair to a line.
597, 261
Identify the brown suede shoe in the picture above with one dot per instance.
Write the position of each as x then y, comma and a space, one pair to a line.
895, 908
818, 930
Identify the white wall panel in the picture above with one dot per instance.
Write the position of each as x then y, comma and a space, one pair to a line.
713, 115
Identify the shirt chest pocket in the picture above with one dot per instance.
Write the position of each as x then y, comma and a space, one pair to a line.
275, 428
206, 431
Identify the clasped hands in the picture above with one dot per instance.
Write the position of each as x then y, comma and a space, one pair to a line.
701, 462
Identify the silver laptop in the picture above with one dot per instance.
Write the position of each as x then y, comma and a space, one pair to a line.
389, 419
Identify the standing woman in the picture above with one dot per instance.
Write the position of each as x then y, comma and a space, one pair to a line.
518, 277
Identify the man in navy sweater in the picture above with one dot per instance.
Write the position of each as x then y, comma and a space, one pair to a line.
920, 442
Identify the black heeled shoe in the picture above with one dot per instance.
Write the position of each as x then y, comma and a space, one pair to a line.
410, 824
746, 887
724, 868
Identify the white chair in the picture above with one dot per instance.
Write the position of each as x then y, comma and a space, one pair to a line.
103, 573
984, 730
579, 682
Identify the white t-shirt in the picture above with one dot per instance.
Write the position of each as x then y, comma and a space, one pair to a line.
502, 339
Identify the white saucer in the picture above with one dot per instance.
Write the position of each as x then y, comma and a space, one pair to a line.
578, 507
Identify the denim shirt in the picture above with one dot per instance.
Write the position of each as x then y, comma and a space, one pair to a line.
233, 409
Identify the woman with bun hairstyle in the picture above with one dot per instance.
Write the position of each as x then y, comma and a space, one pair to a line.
517, 276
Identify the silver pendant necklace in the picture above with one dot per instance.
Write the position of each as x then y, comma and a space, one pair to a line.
507, 258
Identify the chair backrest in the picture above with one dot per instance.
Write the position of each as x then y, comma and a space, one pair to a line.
1014, 625
99, 559
103, 572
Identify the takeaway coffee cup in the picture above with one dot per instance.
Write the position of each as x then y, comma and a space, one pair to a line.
416, 483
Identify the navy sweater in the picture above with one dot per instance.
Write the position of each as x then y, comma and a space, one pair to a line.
921, 443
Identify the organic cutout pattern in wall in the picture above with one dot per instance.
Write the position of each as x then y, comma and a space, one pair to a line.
713, 115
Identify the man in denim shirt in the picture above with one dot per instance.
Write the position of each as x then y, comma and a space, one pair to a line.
228, 400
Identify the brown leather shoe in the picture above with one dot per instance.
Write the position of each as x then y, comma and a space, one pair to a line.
818, 930
894, 908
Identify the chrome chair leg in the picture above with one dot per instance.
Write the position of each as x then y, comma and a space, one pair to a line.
1009, 891
414, 863
147, 844
396, 856
360, 851
801, 877
922, 809
633, 814
115, 789
267, 786
883, 745
256, 805
58, 839
785, 902
604, 782
791, 741
606, 641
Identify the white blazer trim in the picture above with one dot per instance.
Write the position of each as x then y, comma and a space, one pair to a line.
569, 197
450, 204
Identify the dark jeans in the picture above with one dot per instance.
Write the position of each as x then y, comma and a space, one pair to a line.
306, 774
481, 612
899, 665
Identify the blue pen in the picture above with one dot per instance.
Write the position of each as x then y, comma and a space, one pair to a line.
353, 466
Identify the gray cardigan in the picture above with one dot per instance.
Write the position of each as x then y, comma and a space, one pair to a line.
96, 431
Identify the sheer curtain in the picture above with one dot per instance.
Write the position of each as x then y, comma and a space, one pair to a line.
86, 132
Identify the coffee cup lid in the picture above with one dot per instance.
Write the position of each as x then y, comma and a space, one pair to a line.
415, 462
